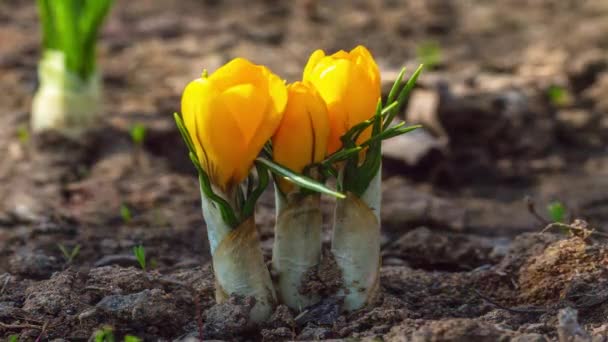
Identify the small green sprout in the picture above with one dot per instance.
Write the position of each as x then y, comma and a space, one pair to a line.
558, 95
429, 54
13, 338
105, 334
140, 255
69, 255
131, 338
125, 213
23, 134
557, 211
138, 134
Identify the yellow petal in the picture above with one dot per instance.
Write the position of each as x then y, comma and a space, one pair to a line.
230, 115
194, 103
349, 82
248, 104
313, 60
239, 71
301, 138
223, 143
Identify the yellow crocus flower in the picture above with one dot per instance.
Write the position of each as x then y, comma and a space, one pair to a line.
230, 115
349, 82
302, 136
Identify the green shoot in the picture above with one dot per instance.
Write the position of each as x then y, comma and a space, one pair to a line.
429, 54
105, 334
69, 255
558, 95
131, 338
125, 213
557, 212
138, 134
140, 255
71, 26
13, 338
23, 135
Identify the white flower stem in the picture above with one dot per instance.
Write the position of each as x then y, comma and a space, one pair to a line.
64, 101
238, 262
356, 244
297, 245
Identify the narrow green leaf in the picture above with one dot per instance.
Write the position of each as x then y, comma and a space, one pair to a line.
66, 13
341, 155
184, 133
403, 95
49, 36
386, 110
227, 212
263, 180
391, 132
395, 88
91, 18
298, 179
140, 255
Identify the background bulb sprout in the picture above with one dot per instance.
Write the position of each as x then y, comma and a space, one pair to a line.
68, 99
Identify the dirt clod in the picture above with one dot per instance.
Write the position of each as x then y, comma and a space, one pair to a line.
54, 296
35, 265
146, 308
546, 277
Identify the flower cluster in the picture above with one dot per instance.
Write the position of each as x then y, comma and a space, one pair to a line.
329, 124
233, 112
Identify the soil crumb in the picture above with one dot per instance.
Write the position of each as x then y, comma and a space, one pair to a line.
324, 279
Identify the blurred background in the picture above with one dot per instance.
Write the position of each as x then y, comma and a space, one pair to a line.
514, 103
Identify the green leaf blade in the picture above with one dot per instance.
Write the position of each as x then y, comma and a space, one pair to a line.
298, 179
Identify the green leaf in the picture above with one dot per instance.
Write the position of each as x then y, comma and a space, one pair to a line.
395, 88
403, 95
390, 133
341, 155
184, 133
138, 133
558, 95
227, 213
298, 179
557, 211
49, 36
263, 180
105, 334
93, 13
69, 255
140, 255
125, 213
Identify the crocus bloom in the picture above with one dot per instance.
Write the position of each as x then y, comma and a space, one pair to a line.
302, 136
349, 82
230, 115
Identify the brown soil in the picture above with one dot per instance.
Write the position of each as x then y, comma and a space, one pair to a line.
463, 259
